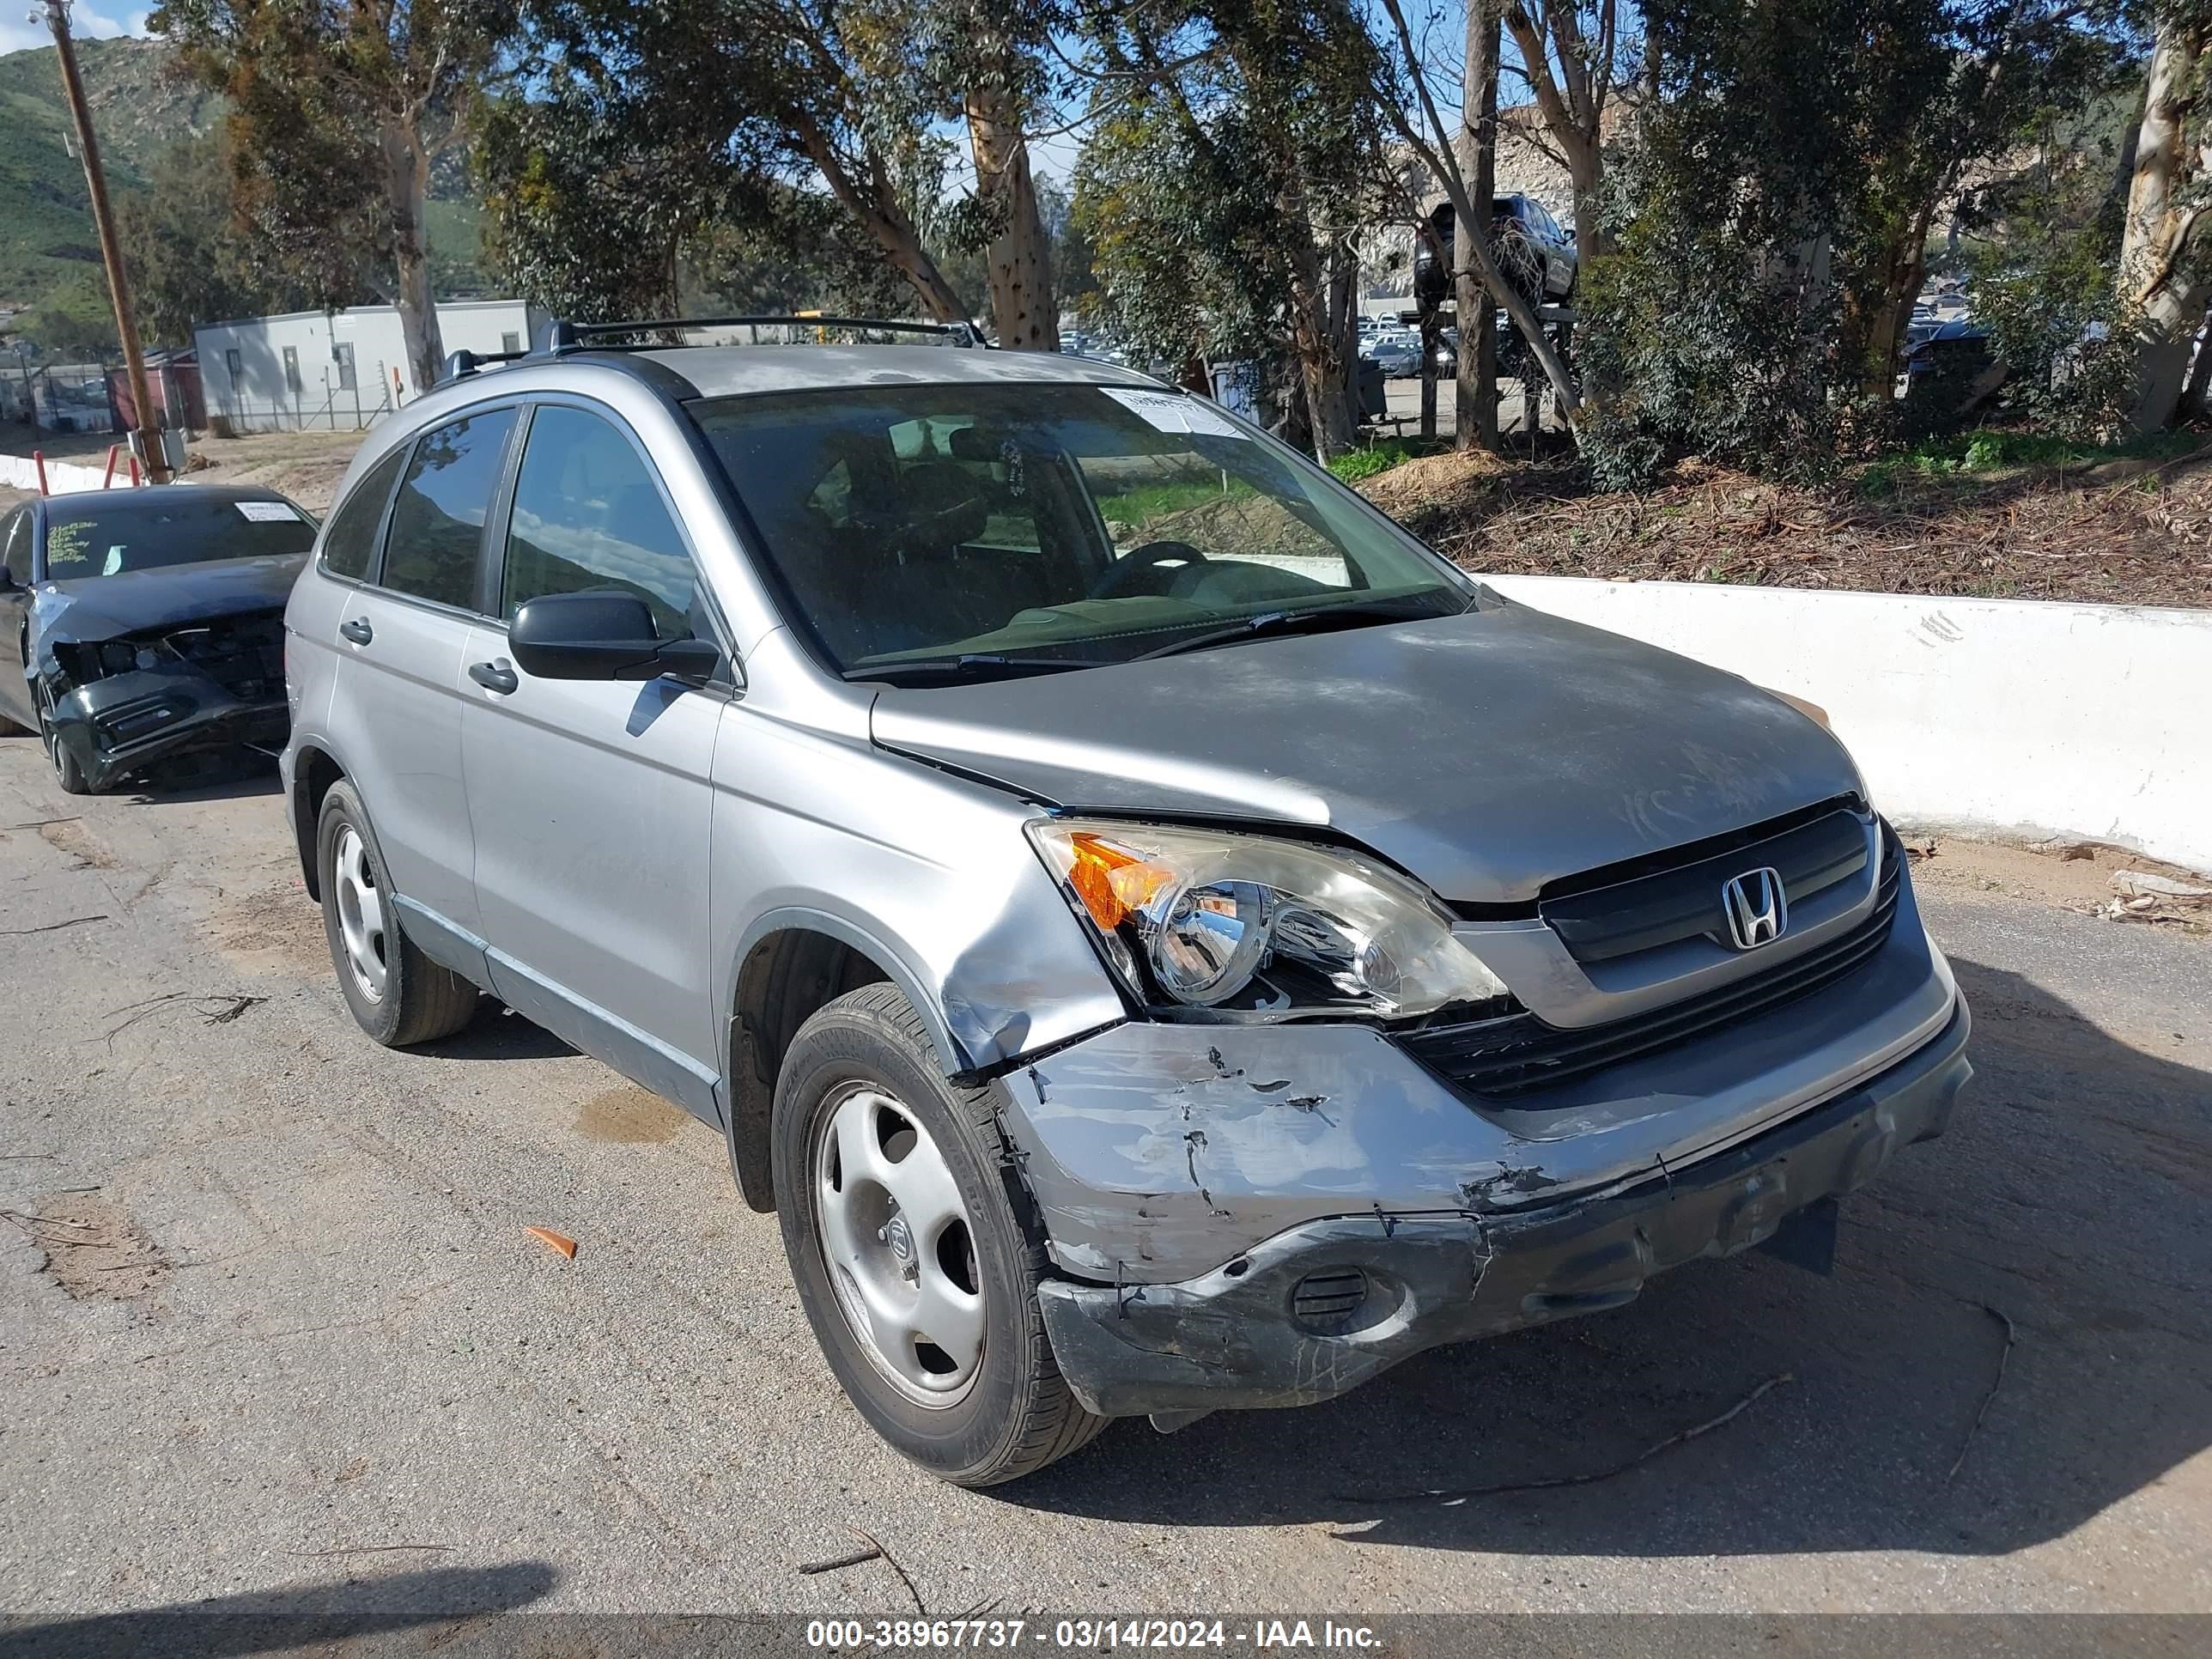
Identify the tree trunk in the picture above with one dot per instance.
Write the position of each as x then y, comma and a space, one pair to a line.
1875, 329
1020, 272
2168, 299
406, 183
2200, 375
1321, 364
1586, 170
875, 204
1344, 321
1573, 113
1442, 159
1476, 405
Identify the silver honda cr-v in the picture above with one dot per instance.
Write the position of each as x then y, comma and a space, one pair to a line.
1161, 938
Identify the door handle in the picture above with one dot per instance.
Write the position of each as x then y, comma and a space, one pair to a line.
494, 676
357, 629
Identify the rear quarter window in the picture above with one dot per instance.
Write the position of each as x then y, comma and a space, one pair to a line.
349, 548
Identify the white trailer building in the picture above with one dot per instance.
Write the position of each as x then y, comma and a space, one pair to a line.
336, 371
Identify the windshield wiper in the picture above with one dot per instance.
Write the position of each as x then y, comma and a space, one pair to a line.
1298, 622
969, 666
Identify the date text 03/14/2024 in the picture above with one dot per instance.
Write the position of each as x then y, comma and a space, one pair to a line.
1089, 1635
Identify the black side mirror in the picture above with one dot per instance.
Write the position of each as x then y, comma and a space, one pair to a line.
601, 637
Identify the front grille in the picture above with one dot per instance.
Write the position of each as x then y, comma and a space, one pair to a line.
1506, 1058
1665, 907
244, 655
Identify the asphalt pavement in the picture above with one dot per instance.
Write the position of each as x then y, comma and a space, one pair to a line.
270, 1322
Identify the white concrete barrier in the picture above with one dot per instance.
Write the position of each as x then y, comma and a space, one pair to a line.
2001, 716
22, 472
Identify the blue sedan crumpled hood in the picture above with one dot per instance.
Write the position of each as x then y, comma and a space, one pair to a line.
1487, 753
88, 608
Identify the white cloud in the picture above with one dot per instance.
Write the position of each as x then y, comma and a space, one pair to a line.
19, 33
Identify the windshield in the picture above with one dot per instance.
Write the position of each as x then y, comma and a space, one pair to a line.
1018, 527
141, 529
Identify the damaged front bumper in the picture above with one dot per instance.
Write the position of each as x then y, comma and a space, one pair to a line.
1315, 1310
1269, 1215
127, 722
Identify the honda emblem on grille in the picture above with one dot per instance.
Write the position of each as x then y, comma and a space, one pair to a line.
1758, 909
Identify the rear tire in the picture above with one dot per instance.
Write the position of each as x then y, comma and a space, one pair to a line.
397, 996
972, 1413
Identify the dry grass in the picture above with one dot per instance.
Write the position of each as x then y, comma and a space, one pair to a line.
2127, 532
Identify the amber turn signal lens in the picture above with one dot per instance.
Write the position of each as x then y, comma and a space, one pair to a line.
1112, 881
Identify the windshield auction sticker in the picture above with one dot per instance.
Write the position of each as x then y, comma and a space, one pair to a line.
268, 512
1175, 411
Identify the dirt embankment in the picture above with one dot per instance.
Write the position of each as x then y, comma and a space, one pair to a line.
2122, 533
305, 465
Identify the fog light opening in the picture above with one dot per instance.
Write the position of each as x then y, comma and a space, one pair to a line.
1332, 1302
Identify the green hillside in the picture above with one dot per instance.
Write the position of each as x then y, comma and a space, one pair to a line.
139, 108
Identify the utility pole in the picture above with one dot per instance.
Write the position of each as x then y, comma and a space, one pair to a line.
1477, 403
111, 251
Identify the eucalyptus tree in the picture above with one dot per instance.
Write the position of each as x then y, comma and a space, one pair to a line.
724, 116
1224, 194
1571, 53
337, 112
2165, 273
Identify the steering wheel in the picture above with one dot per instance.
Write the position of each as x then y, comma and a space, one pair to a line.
1122, 573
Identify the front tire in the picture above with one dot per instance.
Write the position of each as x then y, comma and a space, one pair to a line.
905, 1230
67, 772
397, 996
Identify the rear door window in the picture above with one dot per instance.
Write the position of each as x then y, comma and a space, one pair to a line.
435, 545
351, 547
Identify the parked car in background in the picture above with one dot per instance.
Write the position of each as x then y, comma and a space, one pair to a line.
1397, 353
1535, 252
1533, 248
1001, 794
141, 626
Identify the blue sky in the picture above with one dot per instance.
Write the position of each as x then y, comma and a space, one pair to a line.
17, 32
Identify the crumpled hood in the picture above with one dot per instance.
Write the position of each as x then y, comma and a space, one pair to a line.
89, 609
1487, 753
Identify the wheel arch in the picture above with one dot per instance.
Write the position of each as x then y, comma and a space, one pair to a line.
791, 963
314, 770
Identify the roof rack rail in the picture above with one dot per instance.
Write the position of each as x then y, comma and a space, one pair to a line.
559, 335
459, 365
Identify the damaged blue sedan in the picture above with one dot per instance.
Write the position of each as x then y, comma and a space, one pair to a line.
142, 627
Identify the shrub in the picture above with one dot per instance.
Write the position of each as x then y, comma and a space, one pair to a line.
1355, 465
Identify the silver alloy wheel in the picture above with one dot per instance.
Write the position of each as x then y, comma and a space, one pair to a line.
361, 914
899, 1246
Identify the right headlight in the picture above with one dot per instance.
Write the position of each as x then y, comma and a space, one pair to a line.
1257, 926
